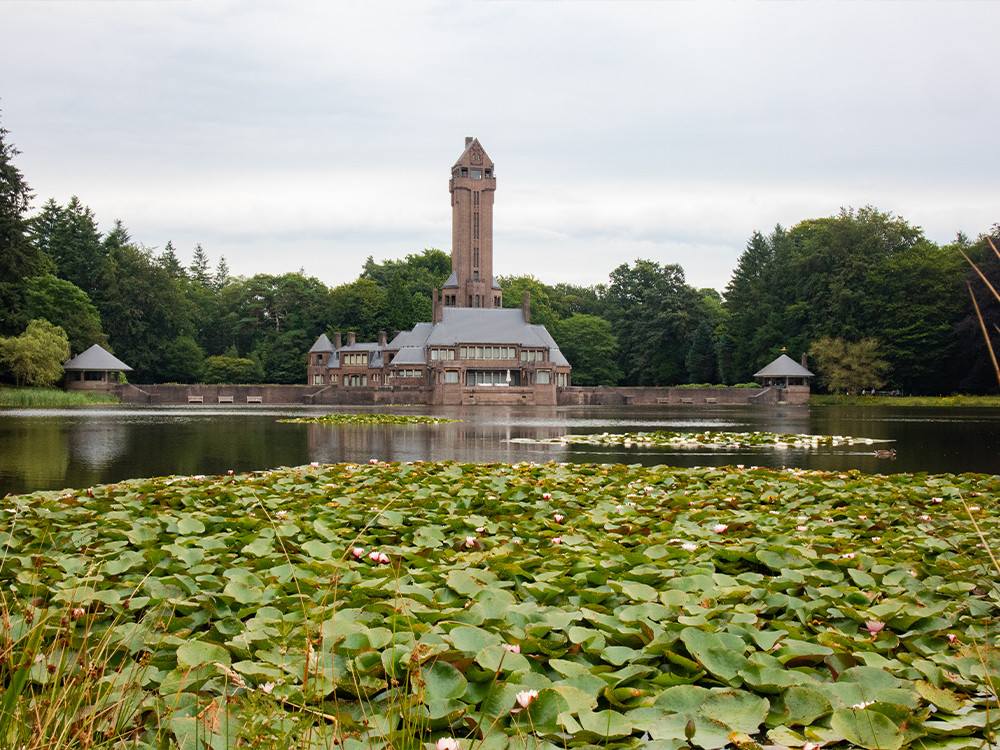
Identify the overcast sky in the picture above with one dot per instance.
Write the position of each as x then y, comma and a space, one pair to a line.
312, 134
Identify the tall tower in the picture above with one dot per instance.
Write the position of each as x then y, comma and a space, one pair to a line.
473, 182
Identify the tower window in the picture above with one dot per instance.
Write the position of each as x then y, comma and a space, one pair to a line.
465, 171
489, 172
477, 174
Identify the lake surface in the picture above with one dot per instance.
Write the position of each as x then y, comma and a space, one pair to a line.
61, 448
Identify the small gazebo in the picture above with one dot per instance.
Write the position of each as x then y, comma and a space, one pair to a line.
96, 369
784, 372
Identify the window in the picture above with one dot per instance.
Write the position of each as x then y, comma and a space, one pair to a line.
317, 380
489, 173
465, 171
354, 358
355, 380
477, 174
563, 380
333, 379
485, 378
319, 359
542, 377
451, 376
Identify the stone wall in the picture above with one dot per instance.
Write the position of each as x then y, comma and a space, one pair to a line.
719, 396
454, 395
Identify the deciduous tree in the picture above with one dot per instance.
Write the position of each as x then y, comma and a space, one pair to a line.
35, 357
850, 367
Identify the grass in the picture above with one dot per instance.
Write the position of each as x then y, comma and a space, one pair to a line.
954, 400
36, 397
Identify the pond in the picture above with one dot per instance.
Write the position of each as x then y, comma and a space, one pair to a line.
60, 448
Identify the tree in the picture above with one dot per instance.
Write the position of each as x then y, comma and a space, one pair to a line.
199, 267
701, 361
654, 314
35, 357
360, 306
407, 285
223, 369
514, 287
847, 366
183, 361
169, 262
74, 245
589, 344
19, 258
66, 305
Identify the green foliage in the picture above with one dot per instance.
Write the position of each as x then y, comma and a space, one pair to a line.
860, 274
359, 606
701, 360
232, 370
369, 419
35, 357
183, 361
849, 366
654, 314
542, 311
407, 286
589, 344
19, 259
362, 307
64, 304
38, 397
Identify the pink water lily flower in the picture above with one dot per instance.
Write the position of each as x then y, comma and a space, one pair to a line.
358, 553
558, 517
514, 648
874, 626
546, 496
720, 528
557, 540
525, 697
470, 541
378, 557
446, 743
689, 546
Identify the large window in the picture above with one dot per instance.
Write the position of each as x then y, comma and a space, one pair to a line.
542, 377
488, 352
486, 377
355, 380
354, 358
441, 354
532, 355
451, 376
317, 380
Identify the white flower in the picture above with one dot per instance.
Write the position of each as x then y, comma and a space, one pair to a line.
848, 555
525, 697
514, 648
373, 461
446, 743
689, 546
557, 540
470, 541
720, 528
558, 517
358, 552
863, 704
267, 687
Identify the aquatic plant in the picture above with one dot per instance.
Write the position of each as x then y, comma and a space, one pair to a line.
369, 419
680, 608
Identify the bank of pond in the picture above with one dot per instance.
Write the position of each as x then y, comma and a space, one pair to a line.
463, 605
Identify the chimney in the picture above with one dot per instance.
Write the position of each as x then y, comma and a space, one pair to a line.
804, 365
468, 140
381, 339
350, 338
336, 341
526, 306
437, 314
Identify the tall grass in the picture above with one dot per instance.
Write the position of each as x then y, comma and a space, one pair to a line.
52, 397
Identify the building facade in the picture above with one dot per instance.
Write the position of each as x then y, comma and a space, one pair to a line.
473, 350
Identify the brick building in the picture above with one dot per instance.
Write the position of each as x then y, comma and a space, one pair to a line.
474, 350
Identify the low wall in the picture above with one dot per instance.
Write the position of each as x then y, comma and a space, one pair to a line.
718, 396
456, 395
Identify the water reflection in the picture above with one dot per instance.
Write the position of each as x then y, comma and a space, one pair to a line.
53, 449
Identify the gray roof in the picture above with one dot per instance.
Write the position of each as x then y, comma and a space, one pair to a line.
323, 344
784, 367
96, 358
410, 355
452, 282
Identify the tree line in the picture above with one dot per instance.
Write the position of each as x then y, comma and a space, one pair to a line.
875, 302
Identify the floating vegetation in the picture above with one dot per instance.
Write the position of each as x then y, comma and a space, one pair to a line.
705, 440
370, 419
494, 606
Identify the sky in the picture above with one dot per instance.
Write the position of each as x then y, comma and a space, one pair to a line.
309, 135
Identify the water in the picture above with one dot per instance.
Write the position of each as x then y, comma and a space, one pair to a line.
61, 448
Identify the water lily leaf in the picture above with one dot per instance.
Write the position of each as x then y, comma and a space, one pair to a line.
606, 724
189, 525
945, 700
195, 653
800, 706
259, 547
737, 709
867, 728
442, 682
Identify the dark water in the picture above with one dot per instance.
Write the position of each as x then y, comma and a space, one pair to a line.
59, 448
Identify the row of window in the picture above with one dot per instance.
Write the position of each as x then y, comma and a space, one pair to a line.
488, 352
472, 378
354, 358
408, 373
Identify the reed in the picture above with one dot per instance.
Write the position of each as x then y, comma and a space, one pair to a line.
37, 397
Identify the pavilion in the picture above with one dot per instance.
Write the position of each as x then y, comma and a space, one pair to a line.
96, 369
